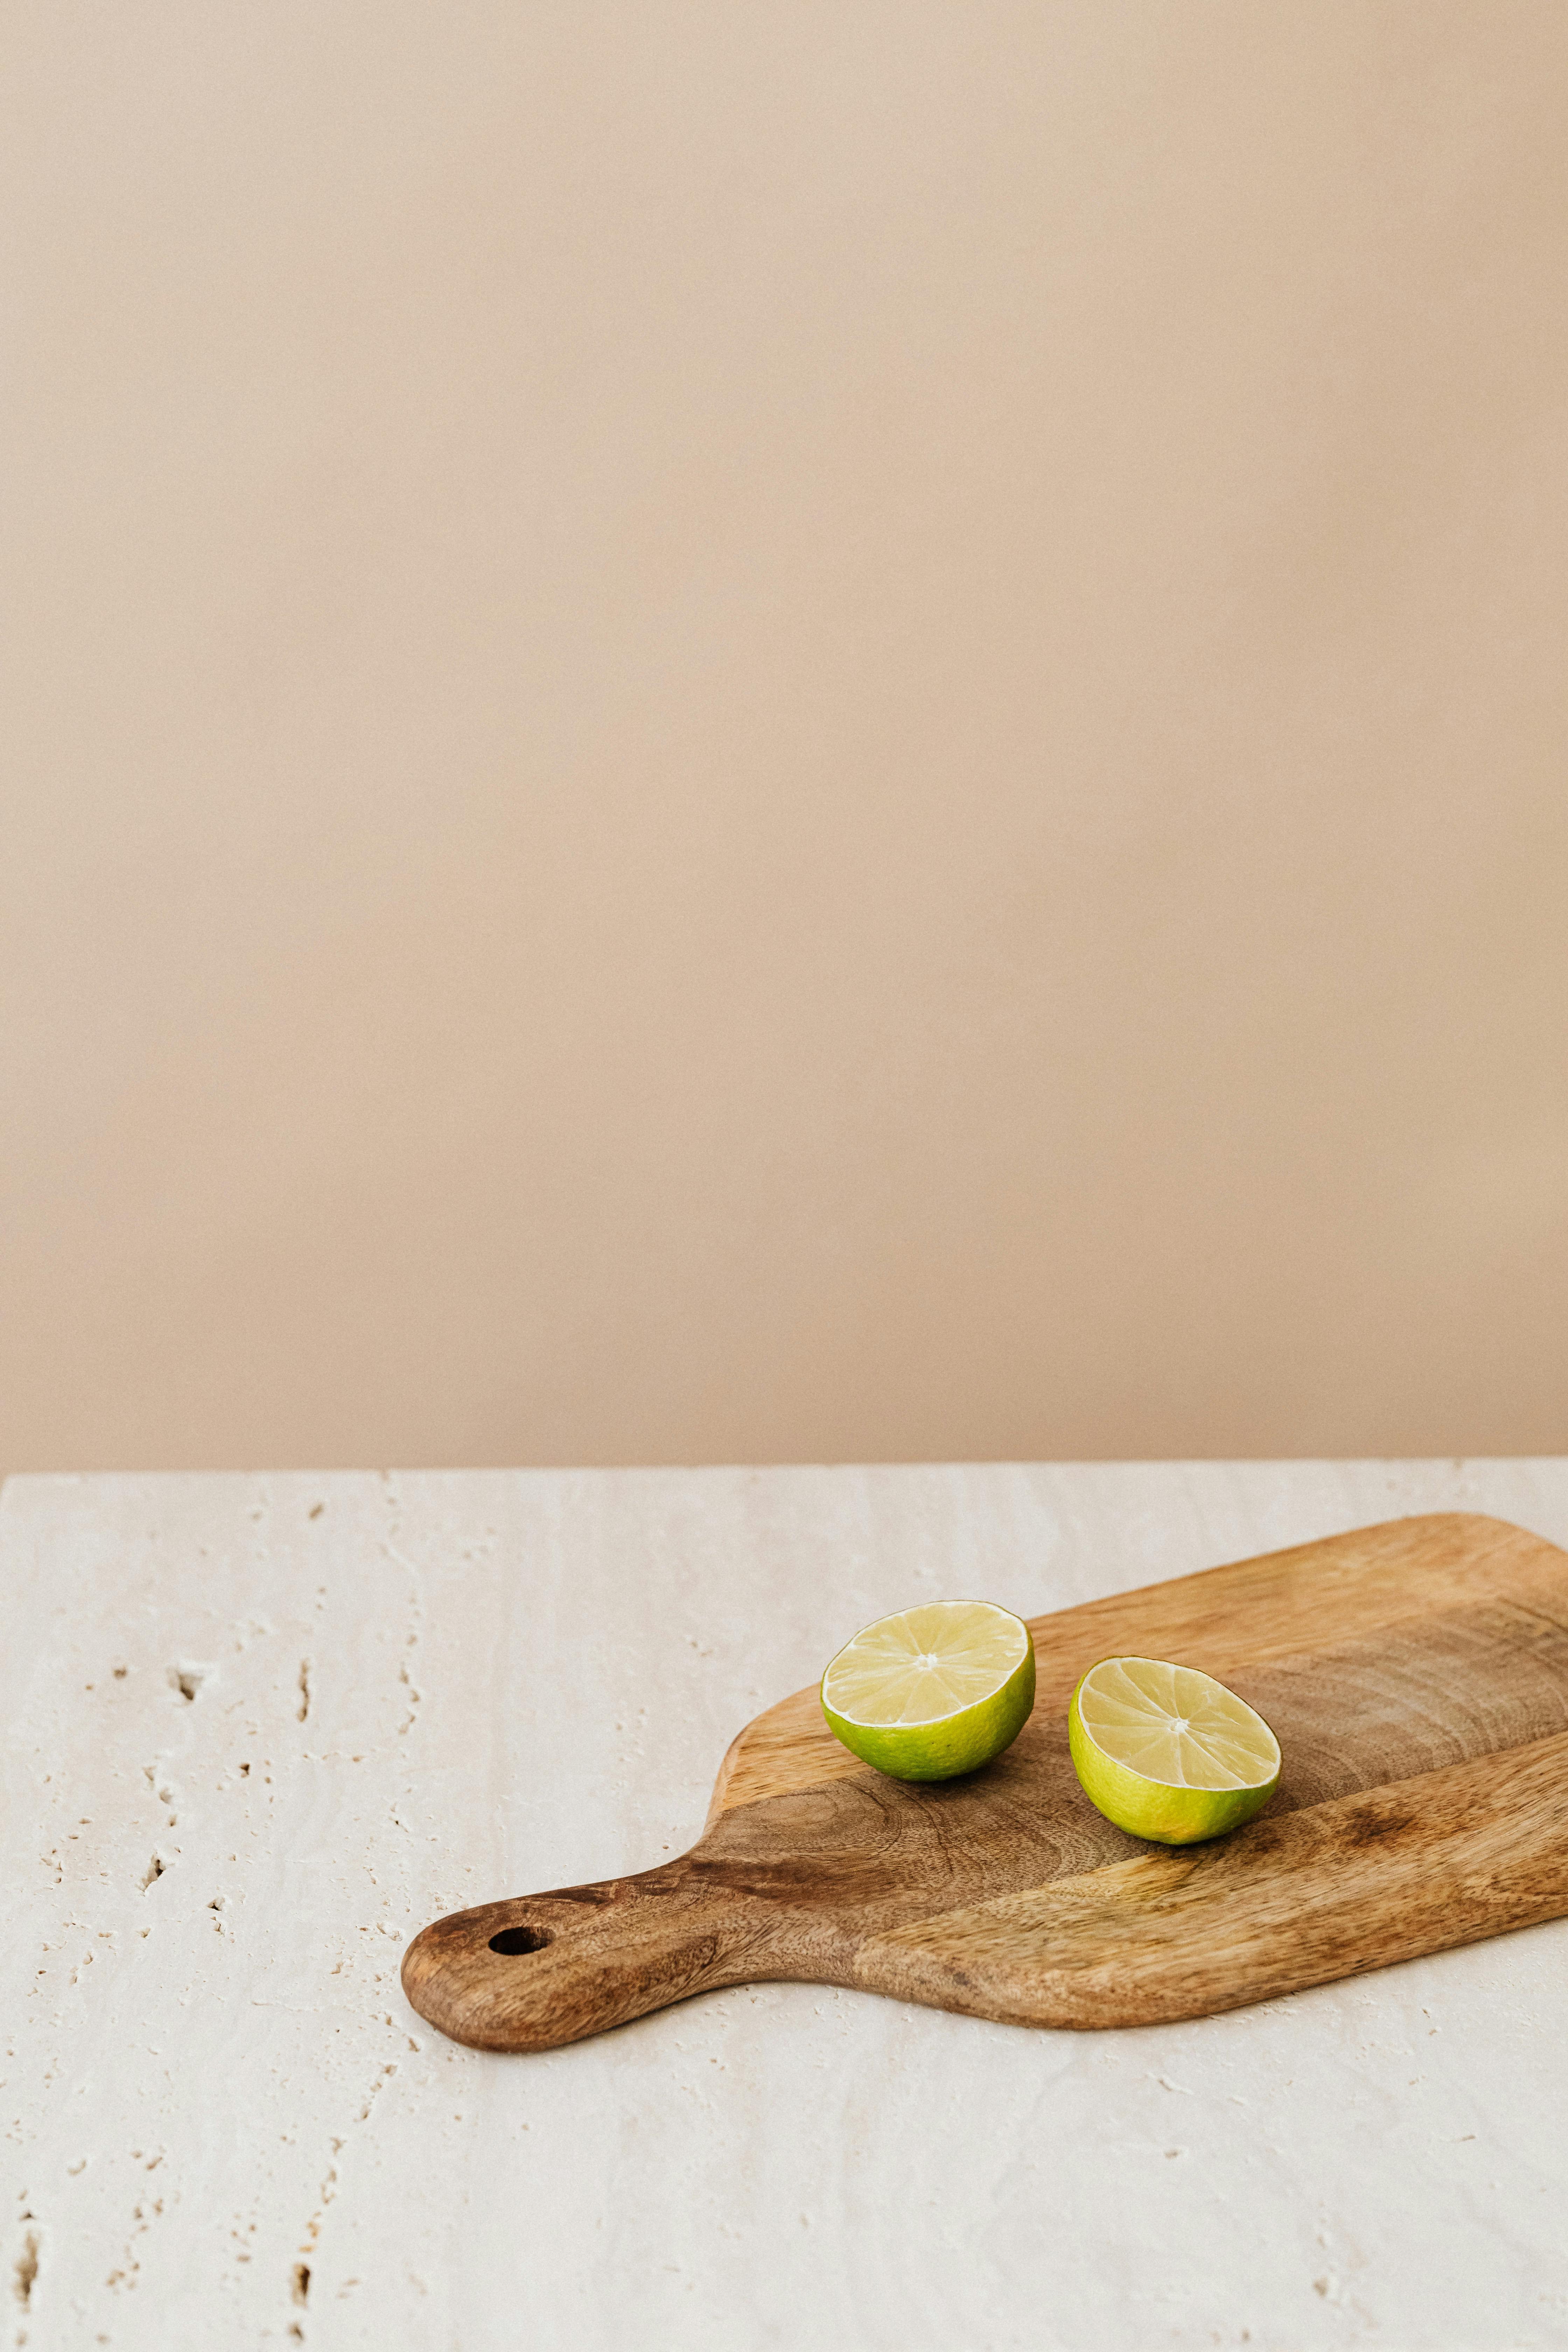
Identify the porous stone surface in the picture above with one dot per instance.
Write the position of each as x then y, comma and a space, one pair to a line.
258, 1729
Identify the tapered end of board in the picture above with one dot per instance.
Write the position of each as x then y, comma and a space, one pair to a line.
543, 1969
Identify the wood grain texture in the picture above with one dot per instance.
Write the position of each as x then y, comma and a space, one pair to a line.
1416, 1673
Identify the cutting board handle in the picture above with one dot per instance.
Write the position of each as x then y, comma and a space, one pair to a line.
543, 1969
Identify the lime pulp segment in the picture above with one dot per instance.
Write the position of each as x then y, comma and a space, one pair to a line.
1175, 1724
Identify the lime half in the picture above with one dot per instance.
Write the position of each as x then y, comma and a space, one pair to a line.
933, 1691
1168, 1753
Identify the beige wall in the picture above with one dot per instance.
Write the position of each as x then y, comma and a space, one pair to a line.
746, 730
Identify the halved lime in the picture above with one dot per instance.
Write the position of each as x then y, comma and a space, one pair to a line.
1168, 1753
932, 1691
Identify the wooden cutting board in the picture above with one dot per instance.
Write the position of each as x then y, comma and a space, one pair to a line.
1415, 1673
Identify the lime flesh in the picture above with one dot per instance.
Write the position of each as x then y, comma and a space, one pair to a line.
932, 1691
1167, 1753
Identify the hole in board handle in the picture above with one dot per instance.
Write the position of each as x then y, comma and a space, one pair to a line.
512, 1940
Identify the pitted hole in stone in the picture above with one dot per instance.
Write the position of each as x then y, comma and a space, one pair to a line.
513, 1941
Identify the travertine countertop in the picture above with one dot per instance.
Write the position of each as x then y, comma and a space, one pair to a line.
258, 1729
